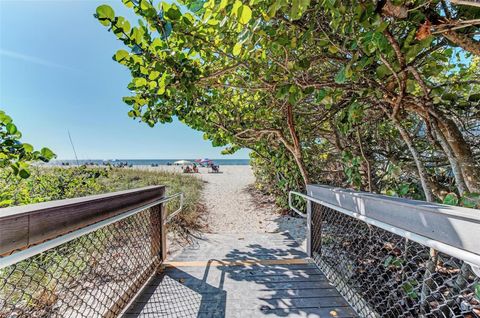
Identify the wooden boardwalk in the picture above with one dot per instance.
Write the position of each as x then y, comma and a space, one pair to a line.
240, 276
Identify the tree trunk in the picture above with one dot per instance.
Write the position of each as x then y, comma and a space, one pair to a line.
422, 172
303, 170
454, 137
461, 150
463, 41
367, 163
296, 148
457, 172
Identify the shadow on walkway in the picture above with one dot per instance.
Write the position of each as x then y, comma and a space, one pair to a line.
270, 278
176, 293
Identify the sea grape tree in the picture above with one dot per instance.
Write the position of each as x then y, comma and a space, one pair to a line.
381, 96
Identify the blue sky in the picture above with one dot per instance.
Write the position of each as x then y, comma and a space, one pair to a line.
56, 74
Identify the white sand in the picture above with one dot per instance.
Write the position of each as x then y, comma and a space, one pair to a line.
231, 208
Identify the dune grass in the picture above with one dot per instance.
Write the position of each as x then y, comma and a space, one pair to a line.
54, 183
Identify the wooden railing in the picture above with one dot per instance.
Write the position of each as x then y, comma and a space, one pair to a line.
81, 257
23, 226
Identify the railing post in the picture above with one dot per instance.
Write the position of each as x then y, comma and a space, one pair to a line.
163, 232
156, 230
309, 228
158, 243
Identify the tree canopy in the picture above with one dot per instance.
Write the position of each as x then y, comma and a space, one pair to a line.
379, 96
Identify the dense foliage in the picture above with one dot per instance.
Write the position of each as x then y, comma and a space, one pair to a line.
14, 154
379, 96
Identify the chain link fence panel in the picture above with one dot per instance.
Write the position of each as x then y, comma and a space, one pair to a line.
382, 274
94, 275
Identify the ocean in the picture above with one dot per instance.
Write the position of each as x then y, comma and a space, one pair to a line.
148, 162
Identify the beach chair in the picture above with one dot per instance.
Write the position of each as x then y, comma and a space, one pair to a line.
215, 169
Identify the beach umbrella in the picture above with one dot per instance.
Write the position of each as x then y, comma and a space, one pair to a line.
182, 162
205, 160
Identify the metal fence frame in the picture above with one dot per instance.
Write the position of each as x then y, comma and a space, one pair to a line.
453, 231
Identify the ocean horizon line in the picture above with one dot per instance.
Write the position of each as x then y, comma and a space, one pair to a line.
180, 158
143, 162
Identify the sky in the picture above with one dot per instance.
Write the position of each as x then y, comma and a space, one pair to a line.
57, 75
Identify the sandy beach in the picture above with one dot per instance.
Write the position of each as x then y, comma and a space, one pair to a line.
232, 208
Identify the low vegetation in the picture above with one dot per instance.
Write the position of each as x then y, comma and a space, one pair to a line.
52, 183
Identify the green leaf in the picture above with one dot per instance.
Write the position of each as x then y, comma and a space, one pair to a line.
295, 11
476, 287
121, 55
11, 128
451, 199
236, 8
245, 14
237, 49
173, 13
139, 82
23, 173
348, 71
298, 8
128, 3
47, 153
320, 95
27, 147
355, 113
397, 262
332, 49
4, 118
341, 77
105, 14
162, 84
137, 35
153, 75
382, 70
387, 261
223, 4
410, 290
152, 85
470, 200
123, 25
404, 189
274, 8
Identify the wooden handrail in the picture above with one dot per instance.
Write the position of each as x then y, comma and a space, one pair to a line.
23, 226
